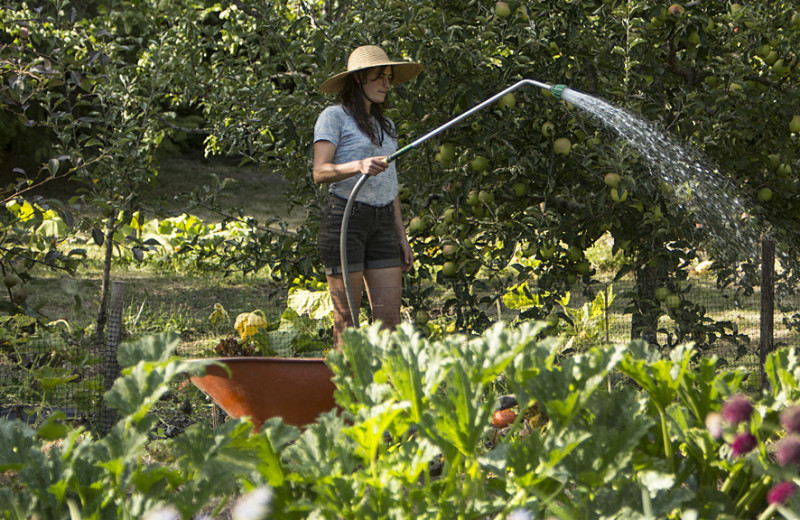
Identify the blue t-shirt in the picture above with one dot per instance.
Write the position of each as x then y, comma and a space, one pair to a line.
334, 124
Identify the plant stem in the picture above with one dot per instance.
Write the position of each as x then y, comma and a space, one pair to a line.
668, 451
768, 512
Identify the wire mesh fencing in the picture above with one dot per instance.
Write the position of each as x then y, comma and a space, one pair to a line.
46, 372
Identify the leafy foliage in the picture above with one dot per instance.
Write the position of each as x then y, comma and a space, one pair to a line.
413, 436
109, 88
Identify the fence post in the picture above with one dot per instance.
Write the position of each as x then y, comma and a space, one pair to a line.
767, 316
113, 336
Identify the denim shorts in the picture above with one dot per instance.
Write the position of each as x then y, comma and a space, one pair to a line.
372, 241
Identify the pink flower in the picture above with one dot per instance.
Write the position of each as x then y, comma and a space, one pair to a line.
743, 444
790, 419
781, 493
788, 451
737, 409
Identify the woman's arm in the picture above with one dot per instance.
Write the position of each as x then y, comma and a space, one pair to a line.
326, 171
406, 255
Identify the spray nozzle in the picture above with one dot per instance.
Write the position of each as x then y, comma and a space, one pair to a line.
557, 90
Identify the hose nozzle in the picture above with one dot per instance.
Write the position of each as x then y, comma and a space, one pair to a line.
557, 90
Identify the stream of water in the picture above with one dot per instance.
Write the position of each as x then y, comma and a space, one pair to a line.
700, 188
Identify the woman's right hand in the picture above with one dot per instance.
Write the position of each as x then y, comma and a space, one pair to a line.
373, 165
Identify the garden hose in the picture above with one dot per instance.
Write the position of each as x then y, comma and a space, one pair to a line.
556, 90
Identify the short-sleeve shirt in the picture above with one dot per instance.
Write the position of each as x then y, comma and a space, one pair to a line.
334, 124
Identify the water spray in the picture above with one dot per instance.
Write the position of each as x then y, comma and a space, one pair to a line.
556, 90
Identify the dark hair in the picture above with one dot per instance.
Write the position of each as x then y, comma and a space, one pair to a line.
352, 99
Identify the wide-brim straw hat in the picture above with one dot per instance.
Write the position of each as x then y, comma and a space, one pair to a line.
366, 57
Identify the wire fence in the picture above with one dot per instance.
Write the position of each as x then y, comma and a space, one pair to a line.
45, 373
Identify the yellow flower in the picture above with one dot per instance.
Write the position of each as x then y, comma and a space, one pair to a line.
248, 323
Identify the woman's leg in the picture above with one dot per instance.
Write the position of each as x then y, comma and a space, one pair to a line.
385, 292
341, 309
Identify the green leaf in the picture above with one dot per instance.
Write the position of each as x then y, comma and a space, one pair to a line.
317, 304
53, 427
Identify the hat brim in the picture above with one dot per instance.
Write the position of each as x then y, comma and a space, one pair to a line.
402, 71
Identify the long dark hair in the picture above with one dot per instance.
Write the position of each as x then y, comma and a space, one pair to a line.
352, 99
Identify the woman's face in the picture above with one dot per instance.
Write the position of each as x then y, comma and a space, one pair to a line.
376, 83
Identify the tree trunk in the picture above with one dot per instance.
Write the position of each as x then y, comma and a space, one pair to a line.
644, 322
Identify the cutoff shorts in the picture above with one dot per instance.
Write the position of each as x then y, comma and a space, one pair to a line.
372, 241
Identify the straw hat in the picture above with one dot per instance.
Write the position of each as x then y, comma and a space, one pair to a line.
368, 56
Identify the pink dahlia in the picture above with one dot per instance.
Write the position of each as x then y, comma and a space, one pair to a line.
781, 493
743, 444
790, 419
737, 409
788, 451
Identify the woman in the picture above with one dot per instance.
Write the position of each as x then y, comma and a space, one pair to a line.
350, 139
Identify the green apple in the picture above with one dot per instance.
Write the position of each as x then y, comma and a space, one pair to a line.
449, 249
449, 215
612, 179
562, 146
472, 198
662, 293
449, 268
796, 20
487, 197
520, 189
507, 101
794, 124
673, 301
574, 253
548, 129
417, 225
764, 50
479, 164
765, 194
583, 267
773, 161
10, 280
447, 152
502, 9
421, 317
783, 171
694, 38
736, 8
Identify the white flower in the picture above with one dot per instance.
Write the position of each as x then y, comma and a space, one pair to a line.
163, 513
519, 514
255, 505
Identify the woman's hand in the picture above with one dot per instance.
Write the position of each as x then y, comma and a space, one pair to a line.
326, 171
406, 254
372, 165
